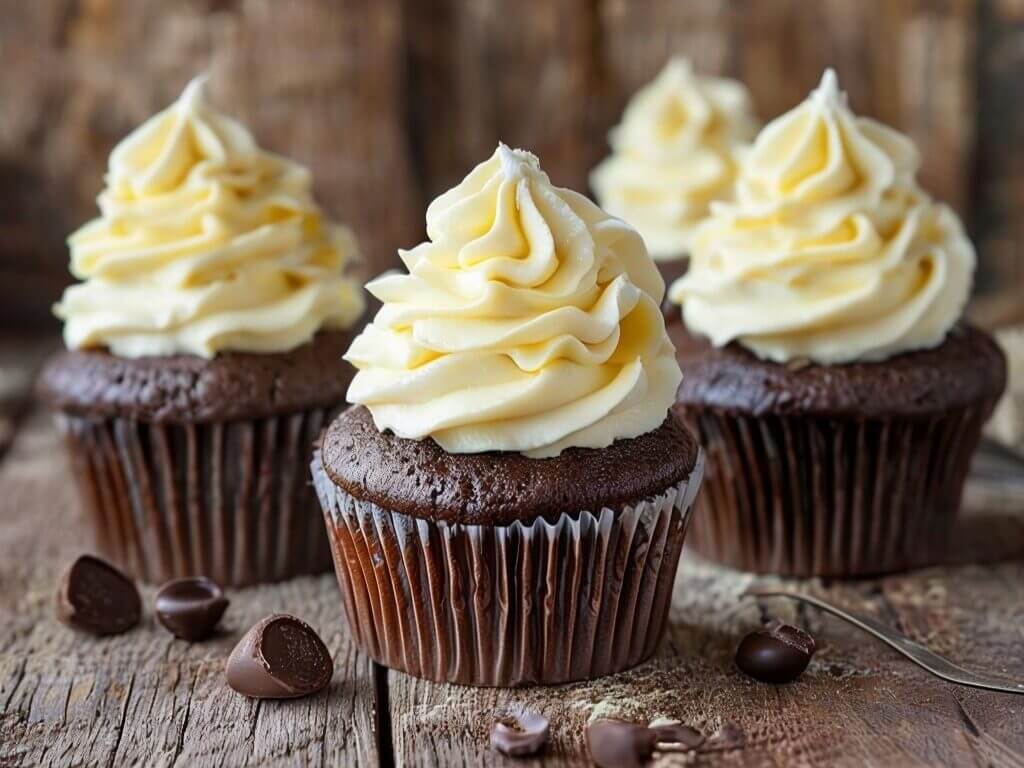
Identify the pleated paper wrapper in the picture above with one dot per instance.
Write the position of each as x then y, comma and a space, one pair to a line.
807, 496
508, 605
230, 500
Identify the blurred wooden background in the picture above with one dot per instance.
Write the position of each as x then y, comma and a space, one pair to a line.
392, 101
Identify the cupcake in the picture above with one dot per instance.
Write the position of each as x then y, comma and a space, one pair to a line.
507, 501
676, 149
837, 393
203, 354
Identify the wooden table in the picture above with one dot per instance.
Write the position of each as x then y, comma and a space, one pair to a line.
145, 698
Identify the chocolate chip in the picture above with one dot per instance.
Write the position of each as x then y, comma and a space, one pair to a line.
779, 653
526, 735
96, 597
190, 608
617, 744
672, 734
281, 657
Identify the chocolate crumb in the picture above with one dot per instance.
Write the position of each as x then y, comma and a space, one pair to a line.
676, 736
729, 736
526, 734
618, 744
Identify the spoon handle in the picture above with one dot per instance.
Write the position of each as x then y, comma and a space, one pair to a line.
917, 653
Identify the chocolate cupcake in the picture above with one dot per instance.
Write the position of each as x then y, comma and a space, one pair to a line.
825, 372
204, 353
508, 502
677, 148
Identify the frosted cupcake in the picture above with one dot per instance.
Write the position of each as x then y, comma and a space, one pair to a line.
677, 149
838, 396
203, 353
508, 501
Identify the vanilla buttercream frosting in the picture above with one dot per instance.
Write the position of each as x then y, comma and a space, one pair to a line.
675, 150
529, 321
205, 243
830, 251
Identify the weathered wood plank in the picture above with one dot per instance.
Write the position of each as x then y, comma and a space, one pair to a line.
887, 55
858, 703
321, 82
480, 73
999, 177
391, 102
145, 698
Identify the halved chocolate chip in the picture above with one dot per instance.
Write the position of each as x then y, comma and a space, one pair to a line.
678, 735
96, 597
523, 732
190, 608
779, 653
281, 657
618, 744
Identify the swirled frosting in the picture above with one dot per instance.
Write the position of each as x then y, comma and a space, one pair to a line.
674, 152
830, 251
527, 322
205, 243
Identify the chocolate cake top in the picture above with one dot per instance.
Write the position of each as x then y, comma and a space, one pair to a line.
187, 388
967, 368
418, 478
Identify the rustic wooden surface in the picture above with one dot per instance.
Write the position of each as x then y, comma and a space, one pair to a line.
392, 101
146, 699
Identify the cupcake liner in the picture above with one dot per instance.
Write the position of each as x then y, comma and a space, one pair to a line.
229, 500
506, 605
803, 496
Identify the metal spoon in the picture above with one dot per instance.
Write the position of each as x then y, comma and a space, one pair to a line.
916, 652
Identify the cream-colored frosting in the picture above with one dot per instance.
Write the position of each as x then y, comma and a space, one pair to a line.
674, 152
830, 251
205, 243
529, 321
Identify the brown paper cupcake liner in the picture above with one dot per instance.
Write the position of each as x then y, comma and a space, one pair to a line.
230, 500
507, 605
803, 496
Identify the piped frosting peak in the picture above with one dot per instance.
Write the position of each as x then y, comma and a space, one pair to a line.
528, 322
830, 251
205, 243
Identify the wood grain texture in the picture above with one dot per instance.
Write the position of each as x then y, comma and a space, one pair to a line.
999, 179
392, 101
857, 704
321, 82
145, 698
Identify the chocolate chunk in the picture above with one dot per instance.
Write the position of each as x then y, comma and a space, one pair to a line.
96, 597
526, 735
281, 657
617, 744
673, 734
777, 654
190, 608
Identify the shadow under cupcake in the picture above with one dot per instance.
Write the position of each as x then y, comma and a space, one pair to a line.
204, 354
825, 372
